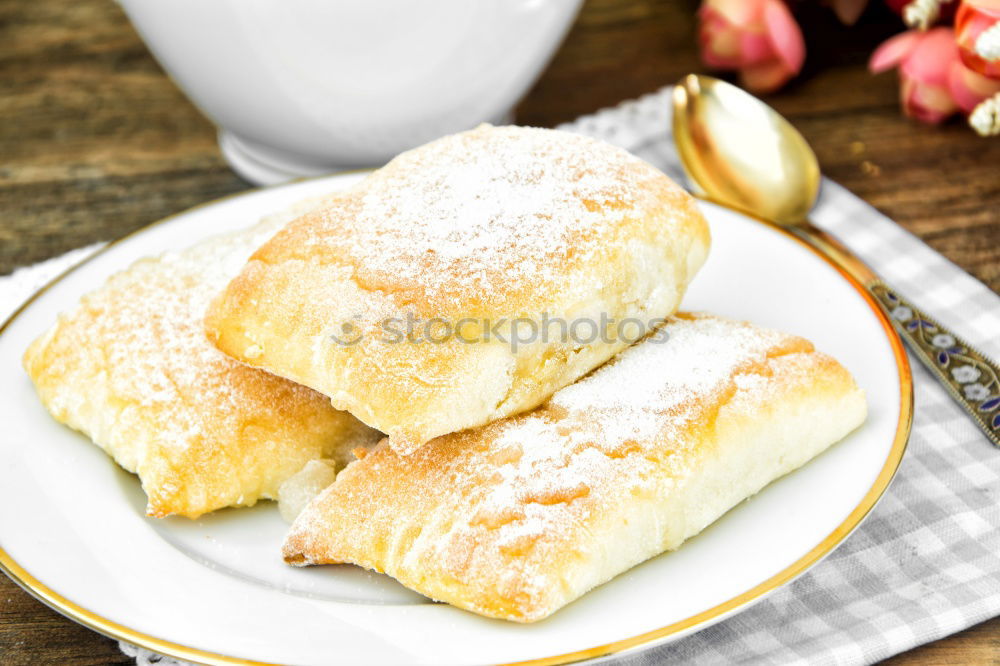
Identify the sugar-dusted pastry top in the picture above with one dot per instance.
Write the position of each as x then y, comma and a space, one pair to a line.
493, 224
131, 368
515, 519
484, 220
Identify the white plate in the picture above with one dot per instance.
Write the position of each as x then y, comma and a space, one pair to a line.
72, 528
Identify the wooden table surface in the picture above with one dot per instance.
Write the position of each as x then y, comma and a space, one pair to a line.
95, 141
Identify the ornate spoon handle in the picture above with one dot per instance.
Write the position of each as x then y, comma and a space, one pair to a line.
971, 378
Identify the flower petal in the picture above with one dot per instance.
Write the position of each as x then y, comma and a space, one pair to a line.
755, 48
969, 88
740, 13
766, 77
785, 35
892, 51
927, 103
720, 47
931, 59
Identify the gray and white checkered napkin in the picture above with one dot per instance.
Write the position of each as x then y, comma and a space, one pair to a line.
926, 562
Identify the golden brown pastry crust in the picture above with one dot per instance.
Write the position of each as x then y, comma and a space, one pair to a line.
131, 368
492, 224
516, 519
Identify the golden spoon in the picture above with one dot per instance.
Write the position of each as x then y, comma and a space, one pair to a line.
743, 154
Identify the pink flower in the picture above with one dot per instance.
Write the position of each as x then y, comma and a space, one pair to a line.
973, 19
934, 84
757, 37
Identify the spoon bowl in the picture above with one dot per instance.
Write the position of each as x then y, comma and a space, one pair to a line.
742, 153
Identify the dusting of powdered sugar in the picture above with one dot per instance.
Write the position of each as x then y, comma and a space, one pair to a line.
691, 357
505, 205
143, 334
602, 432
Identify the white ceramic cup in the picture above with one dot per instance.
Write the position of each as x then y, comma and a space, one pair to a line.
305, 87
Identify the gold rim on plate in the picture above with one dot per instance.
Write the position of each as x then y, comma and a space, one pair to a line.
78, 613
